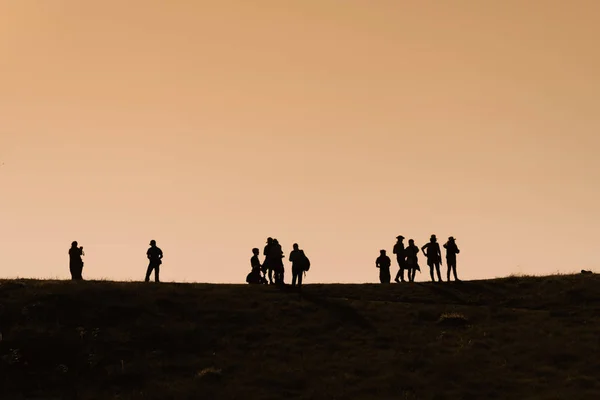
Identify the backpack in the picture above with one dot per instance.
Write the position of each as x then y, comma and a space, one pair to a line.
305, 261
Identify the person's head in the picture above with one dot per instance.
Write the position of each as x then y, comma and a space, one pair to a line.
411, 242
255, 251
382, 252
153, 243
400, 238
275, 241
433, 239
74, 244
269, 240
295, 246
451, 239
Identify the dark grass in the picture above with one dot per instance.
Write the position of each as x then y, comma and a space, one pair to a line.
512, 338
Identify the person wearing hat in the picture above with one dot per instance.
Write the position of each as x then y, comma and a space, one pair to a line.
383, 262
451, 252
401, 258
155, 256
434, 257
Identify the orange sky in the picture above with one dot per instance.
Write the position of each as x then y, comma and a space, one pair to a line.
337, 124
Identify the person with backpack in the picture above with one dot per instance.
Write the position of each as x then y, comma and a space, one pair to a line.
451, 252
384, 263
300, 264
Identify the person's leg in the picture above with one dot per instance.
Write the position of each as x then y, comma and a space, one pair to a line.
400, 273
454, 271
294, 277
271, 276
437, 268
73, 271
449, 266
148, 272
300, 278
431, 272
156, 273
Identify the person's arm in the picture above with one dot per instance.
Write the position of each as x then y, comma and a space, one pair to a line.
291, 259
148, 254
423, 248
160, 254
457, 250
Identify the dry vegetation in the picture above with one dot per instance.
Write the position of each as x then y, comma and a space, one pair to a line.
513, 338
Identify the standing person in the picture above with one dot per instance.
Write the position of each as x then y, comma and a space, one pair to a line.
75, 261
155, 255
434, 257
400, 257
299, 264
276, 261
451, 252
267, 264
412, 260
384, 263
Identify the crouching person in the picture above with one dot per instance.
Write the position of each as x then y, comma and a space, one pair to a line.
255, 276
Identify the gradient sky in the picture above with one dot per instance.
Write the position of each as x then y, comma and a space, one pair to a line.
337, 124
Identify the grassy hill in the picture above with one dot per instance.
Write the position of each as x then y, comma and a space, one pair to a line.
513, 338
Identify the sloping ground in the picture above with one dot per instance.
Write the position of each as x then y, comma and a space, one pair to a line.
513, 338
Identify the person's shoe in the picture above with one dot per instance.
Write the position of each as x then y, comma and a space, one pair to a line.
397, 280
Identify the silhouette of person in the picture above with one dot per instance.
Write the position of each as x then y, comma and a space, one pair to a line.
255, 276
384, 263
298, 260
451, 252
434, 257
75, 261
412, 260
155, 255
401, 258
276, 261
267, 265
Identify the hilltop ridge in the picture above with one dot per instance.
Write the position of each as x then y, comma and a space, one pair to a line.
516, 337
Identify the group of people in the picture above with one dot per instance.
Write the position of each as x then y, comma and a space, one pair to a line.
408, 261
272, 271
154, 255
273, 264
